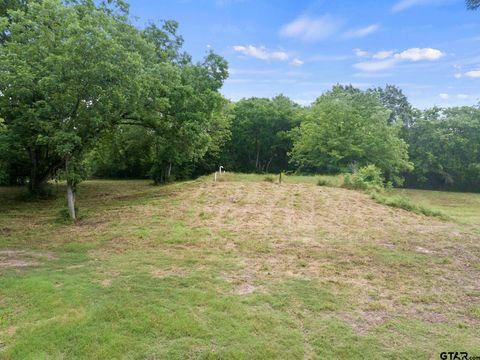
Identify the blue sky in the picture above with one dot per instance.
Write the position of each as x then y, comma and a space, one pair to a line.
429, 48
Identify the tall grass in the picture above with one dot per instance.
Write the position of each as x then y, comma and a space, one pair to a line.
403, 202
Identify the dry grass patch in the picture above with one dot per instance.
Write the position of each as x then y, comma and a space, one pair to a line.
338, 236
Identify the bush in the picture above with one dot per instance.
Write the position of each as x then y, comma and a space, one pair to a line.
366, 178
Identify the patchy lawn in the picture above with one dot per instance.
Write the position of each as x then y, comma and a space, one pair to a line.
242, 268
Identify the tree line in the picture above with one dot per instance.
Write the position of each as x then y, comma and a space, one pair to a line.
347, 128
84, 93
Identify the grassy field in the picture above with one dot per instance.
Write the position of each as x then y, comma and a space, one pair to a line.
462, 207
243, 268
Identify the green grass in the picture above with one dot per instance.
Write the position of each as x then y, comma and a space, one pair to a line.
333, 180
463, 207
238, 269
402, 202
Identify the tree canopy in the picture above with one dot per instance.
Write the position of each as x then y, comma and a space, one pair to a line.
260, 134
347, 129
75, 70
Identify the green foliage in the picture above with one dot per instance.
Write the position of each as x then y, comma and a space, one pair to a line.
74, 71
66, 79
366, 178
392, 97
348, 127
125, 152
445, 148
260, 139
86, 93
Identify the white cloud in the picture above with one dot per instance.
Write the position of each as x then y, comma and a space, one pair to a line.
416, 54
463, 96
261, 53
360, 52
371, 66
407, 4
362, 32
311, 29
387, 59
384, 54
296, 62
473, 74
457, 75
444, 96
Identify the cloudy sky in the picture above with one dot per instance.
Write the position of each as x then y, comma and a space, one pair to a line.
429, 48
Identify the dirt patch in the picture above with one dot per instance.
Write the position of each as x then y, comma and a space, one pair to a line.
18, 259
106, 282
423, 250
365, 321
173, 271
17, 263
245, 289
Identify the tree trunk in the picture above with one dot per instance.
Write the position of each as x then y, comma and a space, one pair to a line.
169, 170
257, 157
70, 192
268, 165
71, 201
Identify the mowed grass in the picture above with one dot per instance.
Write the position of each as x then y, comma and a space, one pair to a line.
462, 207
238, 269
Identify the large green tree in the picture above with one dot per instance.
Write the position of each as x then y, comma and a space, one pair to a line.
345, 128
68, 73
74, 70
190, 117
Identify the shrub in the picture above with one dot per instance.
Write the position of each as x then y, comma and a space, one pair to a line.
366, 178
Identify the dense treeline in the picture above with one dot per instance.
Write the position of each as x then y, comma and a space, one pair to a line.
84, 93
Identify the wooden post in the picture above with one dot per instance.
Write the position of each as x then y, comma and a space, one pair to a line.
280, 178
215, 176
